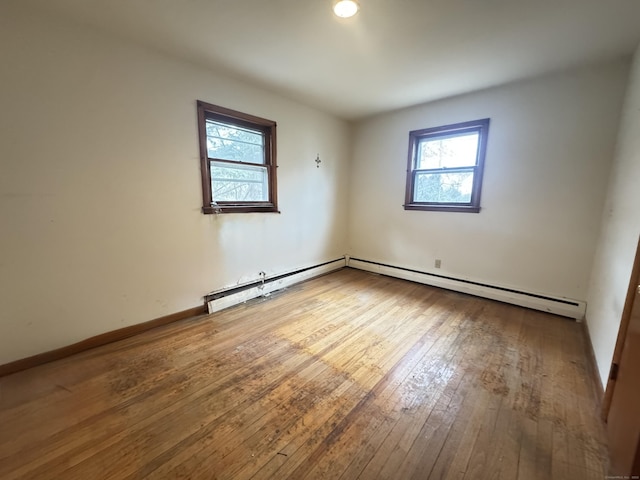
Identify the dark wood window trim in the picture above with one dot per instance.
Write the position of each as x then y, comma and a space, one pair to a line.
415, 136
267, 127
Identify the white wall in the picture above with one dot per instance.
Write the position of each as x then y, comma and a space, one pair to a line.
100, 190
619, 234
549, 152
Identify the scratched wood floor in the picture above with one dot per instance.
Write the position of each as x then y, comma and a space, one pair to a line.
347, 376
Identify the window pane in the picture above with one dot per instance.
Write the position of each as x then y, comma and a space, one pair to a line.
228, 142
443, 187
239, 183
448, 152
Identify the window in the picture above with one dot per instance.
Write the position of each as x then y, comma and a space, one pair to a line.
445, 167
238, 161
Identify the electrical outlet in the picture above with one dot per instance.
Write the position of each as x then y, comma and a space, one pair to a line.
438, 263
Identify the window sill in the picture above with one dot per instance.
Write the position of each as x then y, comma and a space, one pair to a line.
442, 208
223, 209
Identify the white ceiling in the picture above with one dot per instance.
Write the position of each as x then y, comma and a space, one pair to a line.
392, 54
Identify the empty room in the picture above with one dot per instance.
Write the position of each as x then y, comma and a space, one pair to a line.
319, 239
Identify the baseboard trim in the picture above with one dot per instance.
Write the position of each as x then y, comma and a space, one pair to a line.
558, 306
593, 366
229, 297
97, 341
219, 300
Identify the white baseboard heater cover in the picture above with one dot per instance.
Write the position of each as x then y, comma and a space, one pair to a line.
228, 297
560, 306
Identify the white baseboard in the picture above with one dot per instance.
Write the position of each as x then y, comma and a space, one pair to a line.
560, 306
271, 284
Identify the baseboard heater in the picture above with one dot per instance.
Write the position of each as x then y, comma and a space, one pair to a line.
556, 305
228, 297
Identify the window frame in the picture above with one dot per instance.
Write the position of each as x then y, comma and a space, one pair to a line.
232, 117
416, 136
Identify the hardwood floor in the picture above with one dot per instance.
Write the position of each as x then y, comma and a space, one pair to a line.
347, 376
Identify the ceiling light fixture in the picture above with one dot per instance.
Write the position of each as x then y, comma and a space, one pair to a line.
345, 8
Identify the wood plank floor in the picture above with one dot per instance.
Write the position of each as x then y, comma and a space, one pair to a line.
347, 376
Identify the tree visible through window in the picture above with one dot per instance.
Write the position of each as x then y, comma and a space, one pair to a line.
445, 167
238, 161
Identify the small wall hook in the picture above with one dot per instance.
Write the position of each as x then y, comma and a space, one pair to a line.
317, 160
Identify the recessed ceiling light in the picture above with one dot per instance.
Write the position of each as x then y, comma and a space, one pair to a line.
345, 8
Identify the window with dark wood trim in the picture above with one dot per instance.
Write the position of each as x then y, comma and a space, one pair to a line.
238, 161
445, 167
